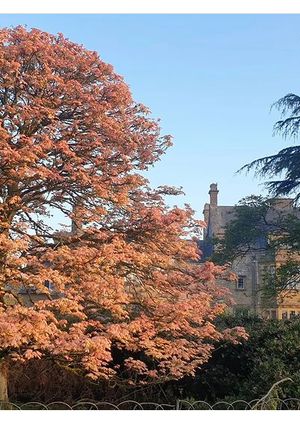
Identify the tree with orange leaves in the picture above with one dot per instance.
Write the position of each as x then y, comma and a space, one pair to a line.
127, 299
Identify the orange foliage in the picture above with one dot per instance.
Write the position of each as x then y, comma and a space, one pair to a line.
128, 297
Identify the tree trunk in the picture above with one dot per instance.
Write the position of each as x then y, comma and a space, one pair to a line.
3, 383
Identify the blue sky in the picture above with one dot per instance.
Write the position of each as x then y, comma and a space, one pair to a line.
210, 78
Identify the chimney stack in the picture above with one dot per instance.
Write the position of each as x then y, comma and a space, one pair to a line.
213, 194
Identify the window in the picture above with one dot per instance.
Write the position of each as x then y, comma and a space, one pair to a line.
240, 282
292, 314
284, 315
48, 285
273, 314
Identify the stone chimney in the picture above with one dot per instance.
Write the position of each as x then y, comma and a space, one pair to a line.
213, 195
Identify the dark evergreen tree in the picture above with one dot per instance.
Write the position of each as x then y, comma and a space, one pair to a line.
283, 167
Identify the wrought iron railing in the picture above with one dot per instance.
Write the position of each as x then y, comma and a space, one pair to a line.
270, 401
270, 404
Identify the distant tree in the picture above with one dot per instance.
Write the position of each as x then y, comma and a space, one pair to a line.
284, 165
127, 299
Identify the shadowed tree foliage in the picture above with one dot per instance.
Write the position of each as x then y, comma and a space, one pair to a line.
246, 371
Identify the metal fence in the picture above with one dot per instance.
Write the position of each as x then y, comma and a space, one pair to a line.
270, 401
270, 404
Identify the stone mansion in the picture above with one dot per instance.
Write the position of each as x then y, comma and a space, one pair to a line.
251, 268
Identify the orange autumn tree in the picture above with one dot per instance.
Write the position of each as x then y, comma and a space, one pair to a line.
128, 299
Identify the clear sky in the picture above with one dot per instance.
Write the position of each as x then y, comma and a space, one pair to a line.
210, 78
